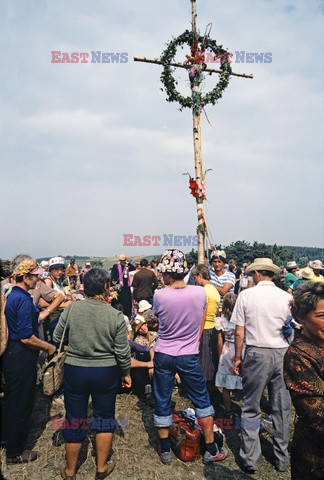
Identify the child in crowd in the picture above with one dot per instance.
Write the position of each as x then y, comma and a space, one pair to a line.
129, 329
225, 376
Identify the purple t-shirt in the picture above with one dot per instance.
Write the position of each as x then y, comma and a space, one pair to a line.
180, 312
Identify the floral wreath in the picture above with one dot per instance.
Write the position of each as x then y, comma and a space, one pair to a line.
197, 100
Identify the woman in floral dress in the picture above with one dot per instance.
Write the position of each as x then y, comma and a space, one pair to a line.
304, 377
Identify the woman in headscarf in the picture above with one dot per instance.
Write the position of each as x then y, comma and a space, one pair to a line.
20, 360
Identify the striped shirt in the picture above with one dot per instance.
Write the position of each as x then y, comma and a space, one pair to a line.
219, 281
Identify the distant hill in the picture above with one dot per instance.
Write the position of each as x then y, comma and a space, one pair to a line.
240, 250
105, 262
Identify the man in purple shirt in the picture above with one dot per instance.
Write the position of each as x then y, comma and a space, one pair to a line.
181, 312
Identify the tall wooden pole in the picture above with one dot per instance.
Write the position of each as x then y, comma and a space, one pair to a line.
196, 80
197, 150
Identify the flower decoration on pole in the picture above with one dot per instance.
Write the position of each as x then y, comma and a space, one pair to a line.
198, 45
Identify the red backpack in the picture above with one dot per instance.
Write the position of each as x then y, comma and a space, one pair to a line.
185, 438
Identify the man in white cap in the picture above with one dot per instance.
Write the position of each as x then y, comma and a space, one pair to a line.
290, 276
259, 315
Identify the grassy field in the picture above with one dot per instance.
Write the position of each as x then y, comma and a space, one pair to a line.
134, 448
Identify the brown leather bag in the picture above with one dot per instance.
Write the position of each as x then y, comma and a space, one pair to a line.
185, 438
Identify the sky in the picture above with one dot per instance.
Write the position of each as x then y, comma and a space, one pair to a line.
93, 151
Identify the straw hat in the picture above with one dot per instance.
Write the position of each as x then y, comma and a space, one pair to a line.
306, 273
138, 322
122, 257
262, 264
317, 264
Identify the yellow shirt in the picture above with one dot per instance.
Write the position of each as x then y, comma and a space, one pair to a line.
317, 279
213, 299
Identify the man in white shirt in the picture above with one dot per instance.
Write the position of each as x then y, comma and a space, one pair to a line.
259, 315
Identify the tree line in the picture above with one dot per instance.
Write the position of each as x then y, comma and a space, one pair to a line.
242, 251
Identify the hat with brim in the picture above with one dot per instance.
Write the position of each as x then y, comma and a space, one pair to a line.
317, 264
306, 273
122, 257
144, 305
56, 265
138, 323
88, 264
262, 264
291, 265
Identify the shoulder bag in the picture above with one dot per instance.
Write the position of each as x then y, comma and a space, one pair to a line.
54, 372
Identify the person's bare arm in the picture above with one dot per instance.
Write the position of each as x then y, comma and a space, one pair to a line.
138, 364
203, 321
220, 342
239, 339
38, 344
51, 307
225, 288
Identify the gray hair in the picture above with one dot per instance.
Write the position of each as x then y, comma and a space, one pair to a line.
202, 270
15, 261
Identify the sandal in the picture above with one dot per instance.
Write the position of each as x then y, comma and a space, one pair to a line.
110, 466
64, 475
26, 456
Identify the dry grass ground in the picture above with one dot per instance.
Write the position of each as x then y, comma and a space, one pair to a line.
133, 449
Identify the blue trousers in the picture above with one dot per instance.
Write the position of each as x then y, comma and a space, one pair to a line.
20, 371
101, 383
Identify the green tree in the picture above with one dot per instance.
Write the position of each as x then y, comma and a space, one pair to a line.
97, 263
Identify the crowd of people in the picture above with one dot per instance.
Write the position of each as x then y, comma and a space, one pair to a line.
152, 326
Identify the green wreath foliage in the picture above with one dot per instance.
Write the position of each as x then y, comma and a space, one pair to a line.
197, 100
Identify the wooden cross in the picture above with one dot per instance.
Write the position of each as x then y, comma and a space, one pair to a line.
200, 177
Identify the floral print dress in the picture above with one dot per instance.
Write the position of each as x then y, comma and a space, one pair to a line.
304, 377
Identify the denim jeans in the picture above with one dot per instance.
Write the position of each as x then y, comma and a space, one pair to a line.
193, 382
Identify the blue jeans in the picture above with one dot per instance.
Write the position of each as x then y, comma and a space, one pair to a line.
193, 382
